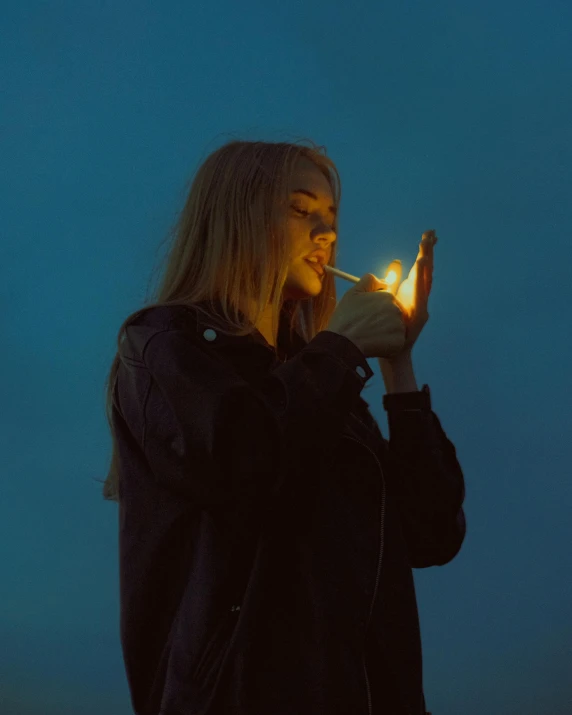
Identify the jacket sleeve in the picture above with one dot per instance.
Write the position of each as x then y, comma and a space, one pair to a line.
209, 435
427, 479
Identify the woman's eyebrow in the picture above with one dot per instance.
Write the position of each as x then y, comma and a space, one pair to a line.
313, 196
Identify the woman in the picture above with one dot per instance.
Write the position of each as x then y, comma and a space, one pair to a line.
267, 529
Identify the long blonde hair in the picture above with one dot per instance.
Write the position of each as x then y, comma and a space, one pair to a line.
229, 245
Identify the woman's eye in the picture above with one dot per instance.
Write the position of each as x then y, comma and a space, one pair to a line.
305, 213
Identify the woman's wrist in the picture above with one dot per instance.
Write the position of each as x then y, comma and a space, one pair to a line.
398, 374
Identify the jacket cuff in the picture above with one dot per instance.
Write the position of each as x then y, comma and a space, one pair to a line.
408, 401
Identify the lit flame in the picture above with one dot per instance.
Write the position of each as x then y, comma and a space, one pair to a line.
391, 277
404, 291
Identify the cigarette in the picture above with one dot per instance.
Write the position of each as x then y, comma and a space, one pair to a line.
344, 275
341, 274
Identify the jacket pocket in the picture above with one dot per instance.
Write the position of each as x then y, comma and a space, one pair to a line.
217, 646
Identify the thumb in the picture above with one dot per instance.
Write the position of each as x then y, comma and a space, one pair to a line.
368, 283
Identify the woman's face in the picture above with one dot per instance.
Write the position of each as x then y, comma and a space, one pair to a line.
309, 228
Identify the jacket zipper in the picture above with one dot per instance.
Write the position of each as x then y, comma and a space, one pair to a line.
378, 563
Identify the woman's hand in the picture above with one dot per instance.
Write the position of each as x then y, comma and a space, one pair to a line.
412, 295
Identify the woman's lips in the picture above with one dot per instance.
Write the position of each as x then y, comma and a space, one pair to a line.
317, 267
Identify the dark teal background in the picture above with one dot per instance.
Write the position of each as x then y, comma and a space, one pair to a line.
448, 115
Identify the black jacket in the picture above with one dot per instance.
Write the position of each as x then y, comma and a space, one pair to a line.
267, 530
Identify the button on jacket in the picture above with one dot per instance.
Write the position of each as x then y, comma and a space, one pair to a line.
267, 530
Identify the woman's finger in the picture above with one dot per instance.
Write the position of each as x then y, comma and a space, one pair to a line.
429, 253
429, 272
428, 279
420, 290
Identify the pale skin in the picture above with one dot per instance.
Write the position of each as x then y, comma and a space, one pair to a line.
310, 227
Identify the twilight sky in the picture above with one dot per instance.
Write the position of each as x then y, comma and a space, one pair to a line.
447, 115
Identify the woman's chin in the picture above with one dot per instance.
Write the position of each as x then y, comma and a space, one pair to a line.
302, 283
302, 290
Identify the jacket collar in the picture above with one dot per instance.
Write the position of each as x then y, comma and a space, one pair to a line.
286, 345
